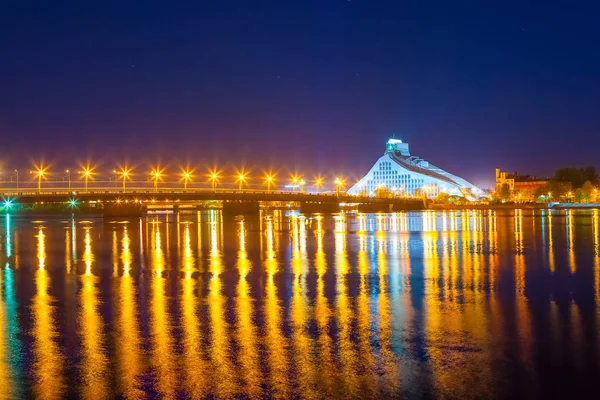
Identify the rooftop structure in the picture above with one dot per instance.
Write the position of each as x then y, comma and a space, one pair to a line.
516, 181
402, 173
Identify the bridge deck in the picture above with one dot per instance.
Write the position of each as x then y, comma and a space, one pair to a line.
145, 194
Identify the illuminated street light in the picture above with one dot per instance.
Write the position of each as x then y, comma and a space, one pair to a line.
295, 180
186, 175
39, 172
87, 173
68, 171
241, 177
339, 183
17, 178
214, 176
156, 175
318, 183
269, 180
125, 173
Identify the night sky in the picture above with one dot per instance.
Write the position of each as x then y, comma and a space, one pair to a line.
314, 86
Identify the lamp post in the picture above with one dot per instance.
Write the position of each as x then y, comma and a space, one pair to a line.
156, 174
186, 175
87, 173
68, 171
318, 183
214, 179
301, 183
241, 179
339, 182
17, 175
269, 179
39, 172
125, 173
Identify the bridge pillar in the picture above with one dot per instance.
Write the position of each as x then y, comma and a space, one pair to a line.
312, 208
241, 207
123, 210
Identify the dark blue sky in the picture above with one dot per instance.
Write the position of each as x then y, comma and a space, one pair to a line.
299, 84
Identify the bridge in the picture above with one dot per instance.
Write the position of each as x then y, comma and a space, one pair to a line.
139, 199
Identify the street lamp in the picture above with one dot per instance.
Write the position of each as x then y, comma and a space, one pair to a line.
186, 175
339, 182
87, 173
156, 175
301, 183
269, 180
241, 179
214, 176
17, 177
318, 183
40, 172
125, 173
68, 171
295, 181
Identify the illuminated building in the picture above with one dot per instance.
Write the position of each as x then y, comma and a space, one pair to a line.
400, 173
525, 185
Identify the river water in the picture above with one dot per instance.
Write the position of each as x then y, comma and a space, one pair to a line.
471, 304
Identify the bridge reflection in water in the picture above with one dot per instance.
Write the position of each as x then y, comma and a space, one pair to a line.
449, 304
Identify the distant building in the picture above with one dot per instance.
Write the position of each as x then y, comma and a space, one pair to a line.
525, 185
400, 173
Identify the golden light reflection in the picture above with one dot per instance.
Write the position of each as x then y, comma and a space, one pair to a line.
276, 343
522, 314
519, 256
246, 332
439, 331
94, 363
388, 380
323, 316
493, 250
302, 343
223, 379
344, 313
466, 259
596, 223
551, 259
129, 359
366, 360
68, 263
48, 361
193, 357
570, 240
162, 351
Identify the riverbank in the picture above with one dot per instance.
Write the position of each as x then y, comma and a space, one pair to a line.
513, 206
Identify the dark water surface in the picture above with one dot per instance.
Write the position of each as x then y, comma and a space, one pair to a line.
477, 304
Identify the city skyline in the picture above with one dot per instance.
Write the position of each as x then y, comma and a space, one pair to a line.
302, 86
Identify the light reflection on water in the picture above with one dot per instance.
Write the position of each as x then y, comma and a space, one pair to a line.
439, 304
